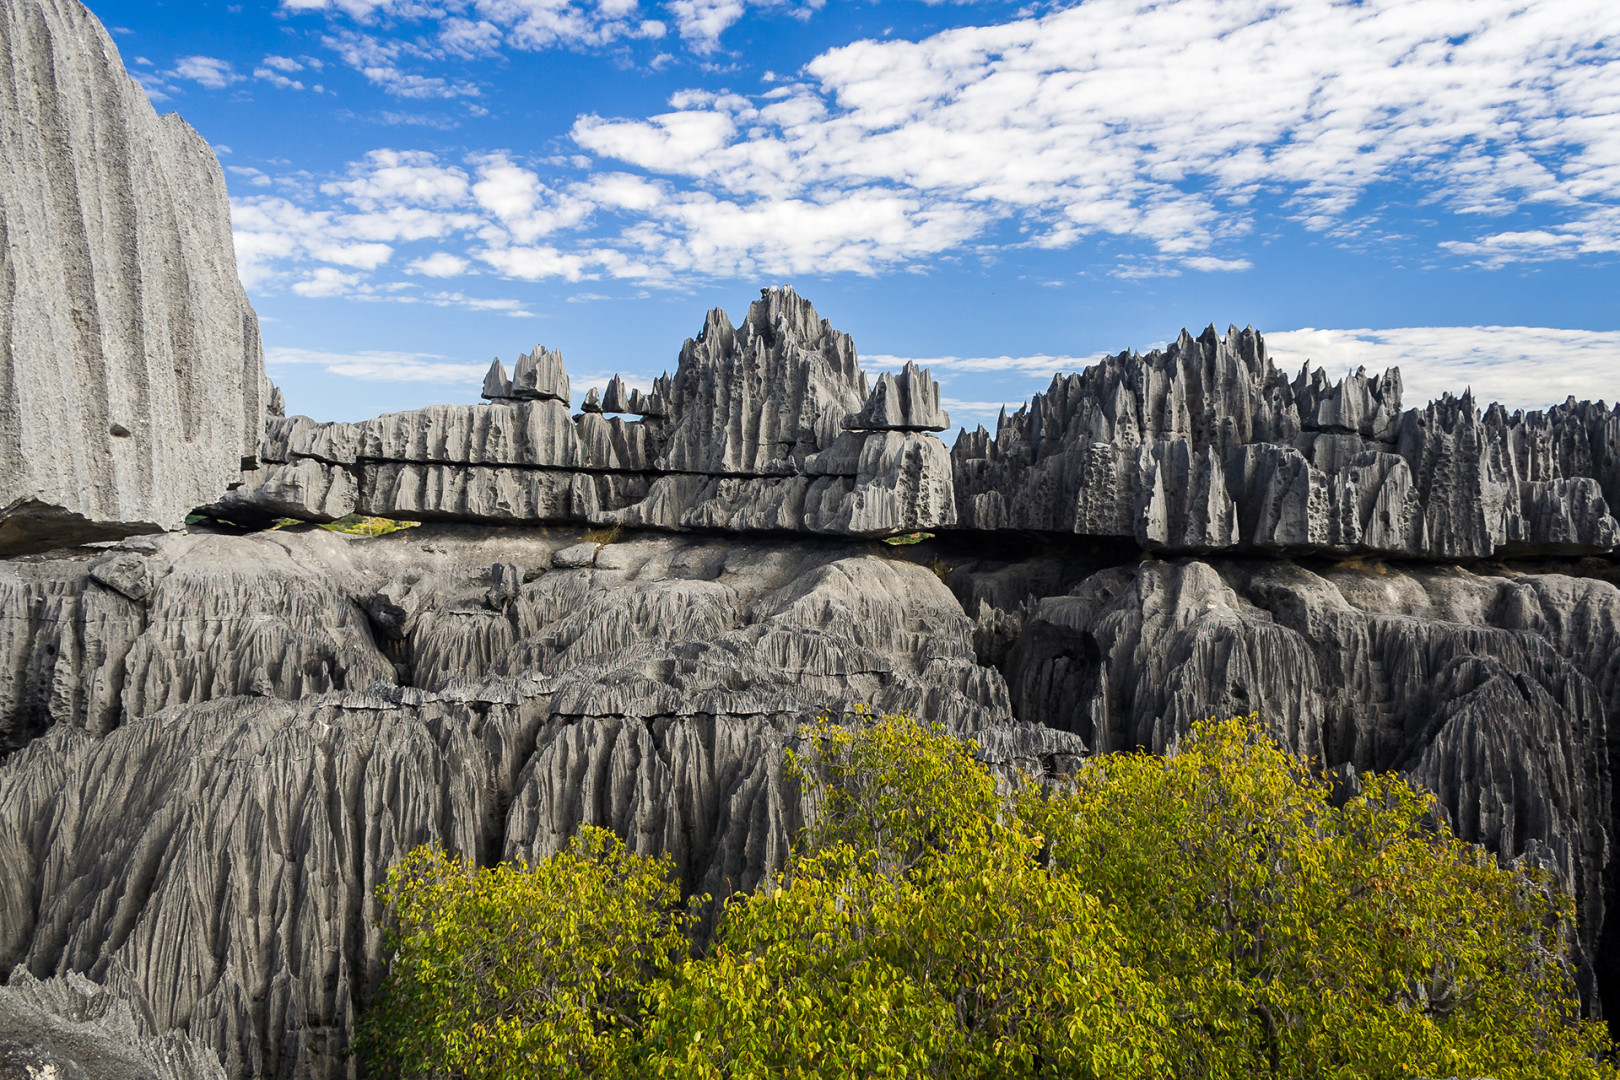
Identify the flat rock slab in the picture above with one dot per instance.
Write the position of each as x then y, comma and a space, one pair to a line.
575, 556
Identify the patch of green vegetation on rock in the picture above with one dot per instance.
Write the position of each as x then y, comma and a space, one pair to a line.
360, 525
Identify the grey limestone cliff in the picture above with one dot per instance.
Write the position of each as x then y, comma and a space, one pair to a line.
1497, 690
282, 715
222, 742
131, 374
748, 436
1206, 446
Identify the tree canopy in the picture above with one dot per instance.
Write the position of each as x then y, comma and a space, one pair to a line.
1211, 913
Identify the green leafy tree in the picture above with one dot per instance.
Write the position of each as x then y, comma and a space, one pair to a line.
916, 933
1294, 937
517, 971
1206, 914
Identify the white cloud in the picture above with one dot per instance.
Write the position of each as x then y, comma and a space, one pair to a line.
1037, 132
207, 71
1161, 121
256, 177
378, 60
326, 281
1520, 366
277, 79
379, 366
440, 264
1209, 263
469, 28
278, 71
392, 178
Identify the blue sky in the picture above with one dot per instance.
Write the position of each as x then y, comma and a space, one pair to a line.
998, 190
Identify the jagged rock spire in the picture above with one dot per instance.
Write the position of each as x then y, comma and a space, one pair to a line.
496, 384
539, 375
615, 400
907, 403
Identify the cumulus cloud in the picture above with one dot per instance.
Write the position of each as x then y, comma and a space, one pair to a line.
1171, 124
209, 71
440, 264
1162, 121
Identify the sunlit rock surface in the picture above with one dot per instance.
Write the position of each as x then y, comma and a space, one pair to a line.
131, 372
1205, 446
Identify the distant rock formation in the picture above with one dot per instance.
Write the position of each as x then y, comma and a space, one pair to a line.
748, 436
769, 427
1205, 446
131, 373
538, 375
907, 402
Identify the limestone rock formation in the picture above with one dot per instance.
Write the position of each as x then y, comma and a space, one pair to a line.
225, 739
538, 375
132, 378
908, 402
1498, 692
321, 704
1205, 446
615, 399
748, 436
72, 1028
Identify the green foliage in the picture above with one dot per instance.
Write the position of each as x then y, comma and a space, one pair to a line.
915, 934
1207, 914
1298, 939
521, 972
361, 525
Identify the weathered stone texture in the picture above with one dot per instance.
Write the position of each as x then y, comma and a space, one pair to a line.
1496, 692
131, 373
73, 1028
1205, 446
748, 436
297, 709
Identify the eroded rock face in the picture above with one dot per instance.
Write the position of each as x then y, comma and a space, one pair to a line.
276, 718
73, 1028
747, 437
905, 402
1205, 446
282, 715
1498, 692
131, 373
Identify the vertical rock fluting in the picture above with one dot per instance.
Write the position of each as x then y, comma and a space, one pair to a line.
749, 436
1496, 693
131, 373
1205, 446
216, 849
